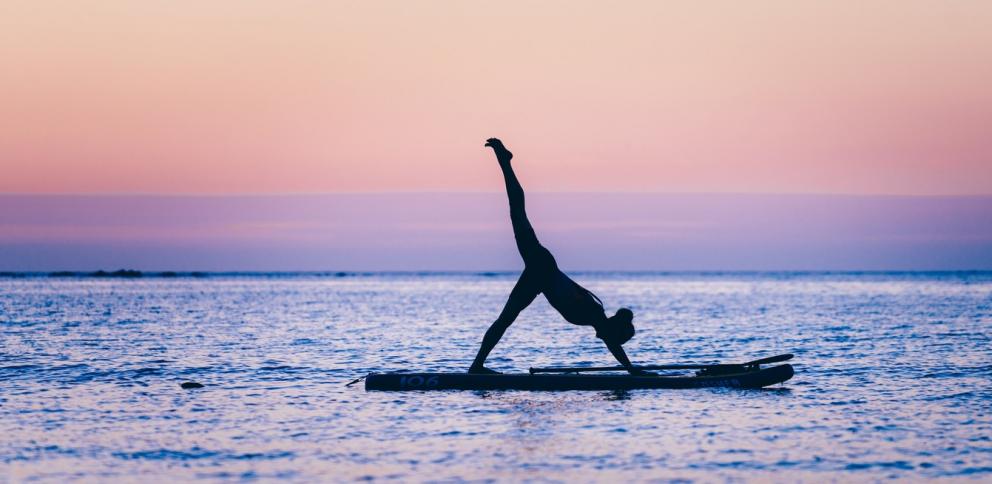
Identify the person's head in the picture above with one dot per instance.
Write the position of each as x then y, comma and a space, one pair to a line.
618, 328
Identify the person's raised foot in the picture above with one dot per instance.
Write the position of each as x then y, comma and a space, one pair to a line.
481, 370
502, 154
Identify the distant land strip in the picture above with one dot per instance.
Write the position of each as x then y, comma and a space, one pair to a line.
136, 274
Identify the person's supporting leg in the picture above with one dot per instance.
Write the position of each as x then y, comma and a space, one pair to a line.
538, 262
523, 293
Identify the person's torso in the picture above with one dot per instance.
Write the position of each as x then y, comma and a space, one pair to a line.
576, 305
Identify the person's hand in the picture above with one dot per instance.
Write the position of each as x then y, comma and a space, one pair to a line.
502, 154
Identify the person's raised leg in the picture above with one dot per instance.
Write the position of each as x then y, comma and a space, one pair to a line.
521, 296
531, 250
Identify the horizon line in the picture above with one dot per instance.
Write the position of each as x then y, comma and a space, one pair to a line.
483, 192
126, 273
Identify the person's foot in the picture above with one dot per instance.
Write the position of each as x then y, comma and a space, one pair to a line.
481, 370
502, 154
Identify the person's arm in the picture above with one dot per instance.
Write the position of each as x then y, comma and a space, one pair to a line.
621, 356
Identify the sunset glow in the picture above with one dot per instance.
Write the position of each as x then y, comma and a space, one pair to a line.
244, 97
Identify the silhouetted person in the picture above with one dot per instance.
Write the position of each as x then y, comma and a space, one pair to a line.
542, 276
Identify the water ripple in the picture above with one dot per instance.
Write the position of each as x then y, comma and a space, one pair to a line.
893, 379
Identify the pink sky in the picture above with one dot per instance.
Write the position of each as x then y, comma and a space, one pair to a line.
229, 97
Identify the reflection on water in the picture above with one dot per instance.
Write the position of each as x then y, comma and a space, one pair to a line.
894, 378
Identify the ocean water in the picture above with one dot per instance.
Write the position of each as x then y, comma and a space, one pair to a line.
894, 379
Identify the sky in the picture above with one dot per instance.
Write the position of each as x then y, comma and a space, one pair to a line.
471, 231
267, 103
236, 97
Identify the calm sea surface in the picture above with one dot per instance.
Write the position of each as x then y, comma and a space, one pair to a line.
894, 379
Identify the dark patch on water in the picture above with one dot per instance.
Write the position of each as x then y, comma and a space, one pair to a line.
196, 453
